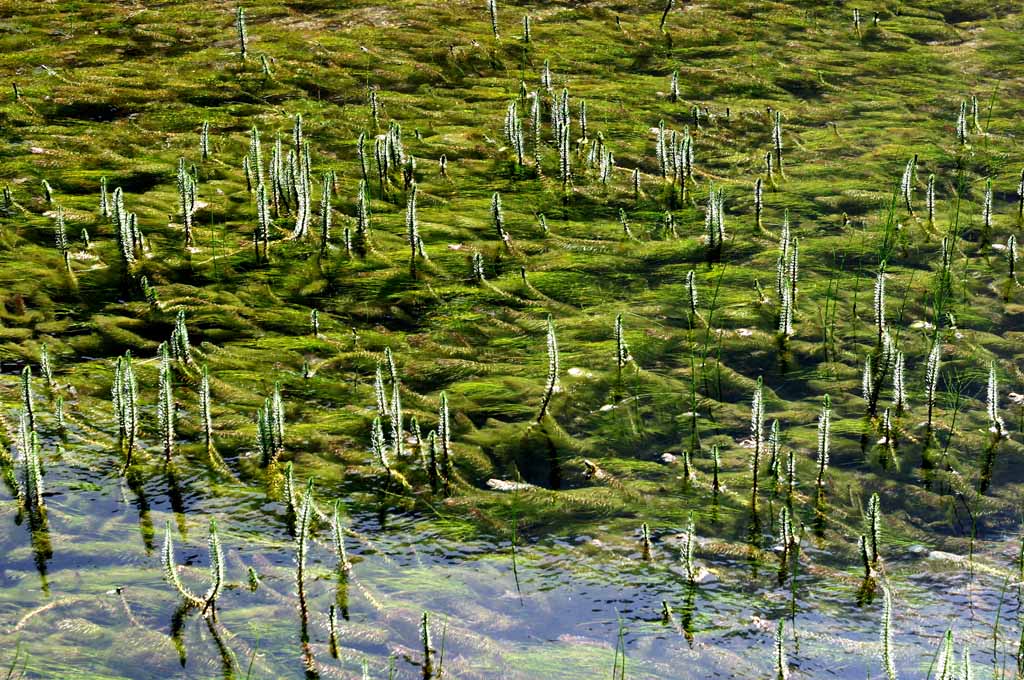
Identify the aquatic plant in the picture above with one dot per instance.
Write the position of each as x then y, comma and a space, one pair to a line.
986, 212
325, 212
874, 526
243, 34
888, 440
180, 347
668, 224
907, 183
622, 355
492, 9
44, 364
412, 230
204, 140
374, 106
688, 472
645, 542
929, 198
208, 601
606, 165
124, 394
314, 322
338, 532
247, 172
931, 380
1020, 198
61, 238
498, 218
433, 462
945, 666
396, 420
255, 157
865, 557
714, 223
961, 124
756, 435
428, 646
477, 264
661, 149
27, 398
716, 468
996, 425
664, 15
129, 238
552, 379
302, 192
297, 138
303, 519
291, 495
378, 445
777, 143
380, 396
945, 275
899, 394
279, 198
270, 428
514, 132
879, 306
261, 235
165, 404
332, 630
686, 154
687, 548
204, 407
33, 471
444, 437
104, 198
626, 232
758, 203
824, 441
787, 273
1011, 256
361, 242
535, 127
361, 156
888, 662
774, 453
781, 663
787, 538
186, 200
23, 436
782, 262
58, 414
691, 295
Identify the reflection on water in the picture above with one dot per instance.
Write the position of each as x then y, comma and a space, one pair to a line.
554, 611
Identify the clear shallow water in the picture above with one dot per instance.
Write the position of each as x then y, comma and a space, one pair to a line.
59, 598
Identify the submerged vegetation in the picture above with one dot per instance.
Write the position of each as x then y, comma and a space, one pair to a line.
463, 286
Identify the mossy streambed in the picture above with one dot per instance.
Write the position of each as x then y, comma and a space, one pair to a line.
533, 364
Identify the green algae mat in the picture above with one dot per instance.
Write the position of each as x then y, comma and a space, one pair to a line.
484, 339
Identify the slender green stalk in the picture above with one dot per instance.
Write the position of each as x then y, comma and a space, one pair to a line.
888, 662
552, 379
